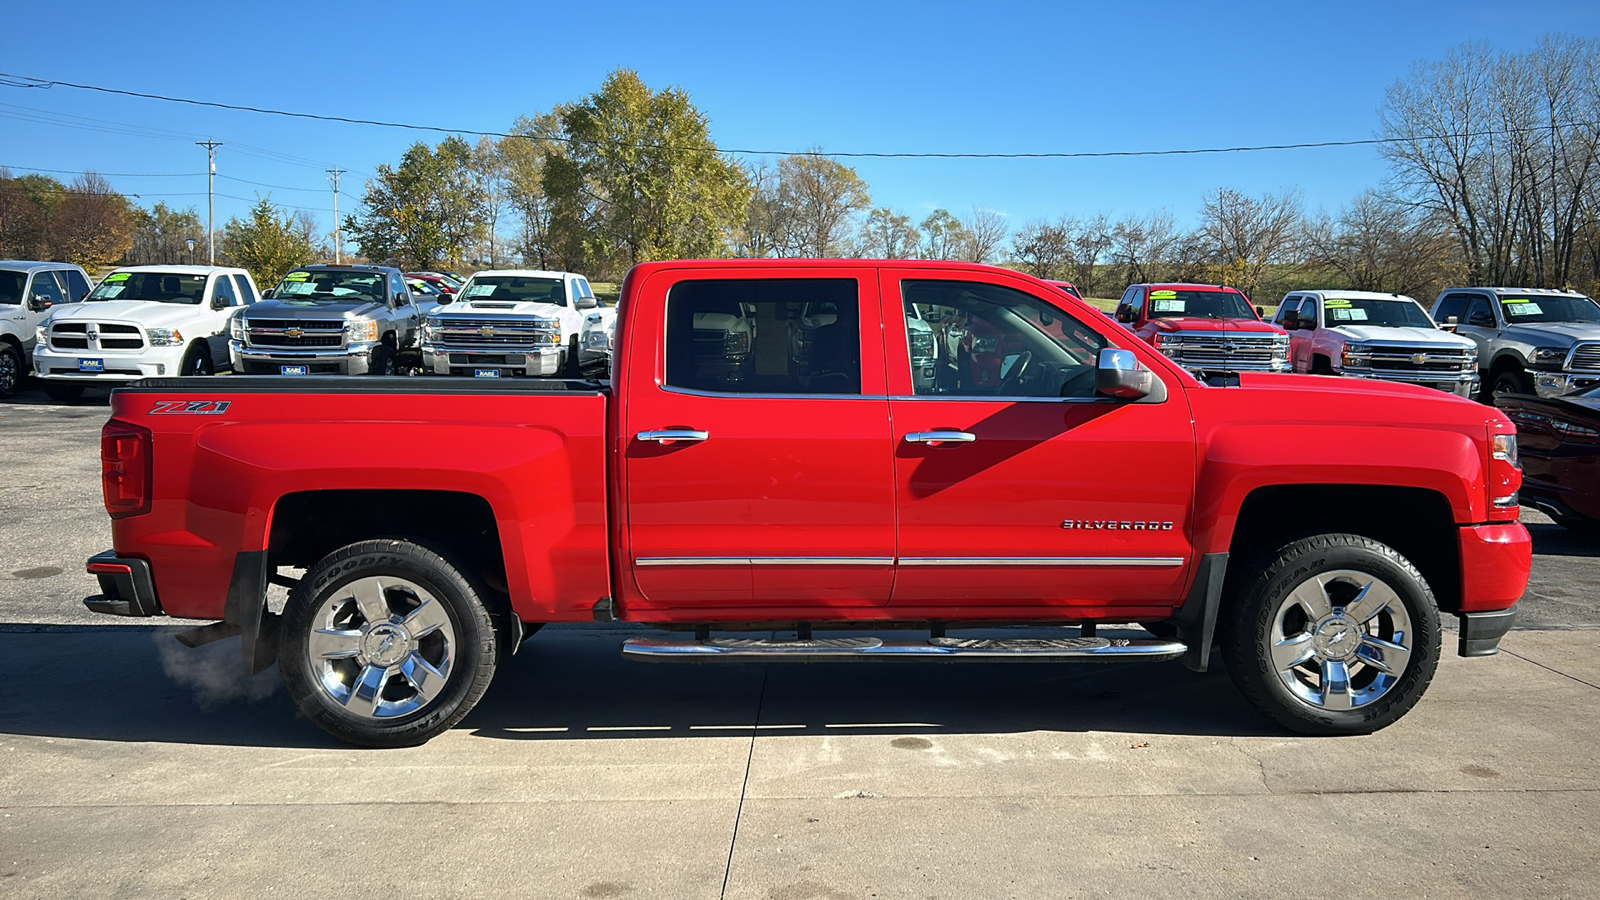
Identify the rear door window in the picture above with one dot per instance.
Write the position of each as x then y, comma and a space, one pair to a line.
247, 291
754, 336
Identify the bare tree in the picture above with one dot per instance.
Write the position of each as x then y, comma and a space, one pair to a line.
1139, 243
1378, 244
1240, 237
985, 233
943, 236
1091, 242
1043, 249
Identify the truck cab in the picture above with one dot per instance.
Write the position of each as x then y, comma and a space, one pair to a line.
1361, 334
142, 322
1208, 329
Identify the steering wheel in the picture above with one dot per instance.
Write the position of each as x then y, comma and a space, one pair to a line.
1014, 377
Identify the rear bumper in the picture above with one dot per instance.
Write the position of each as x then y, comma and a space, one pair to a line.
126, 588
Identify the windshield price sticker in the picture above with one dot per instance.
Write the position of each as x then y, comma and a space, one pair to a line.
1522, 308
1346, 315
1165, 305
479, 290
115, 277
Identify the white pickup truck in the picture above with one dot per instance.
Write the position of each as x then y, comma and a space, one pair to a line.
28, 291
518, 322
1361, 334
142, 322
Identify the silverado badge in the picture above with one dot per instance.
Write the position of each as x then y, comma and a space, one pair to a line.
1107, 525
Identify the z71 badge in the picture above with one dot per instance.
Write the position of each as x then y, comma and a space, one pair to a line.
189, 407
1107, 525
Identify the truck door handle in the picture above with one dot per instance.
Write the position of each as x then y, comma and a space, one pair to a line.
673, 435
935, 438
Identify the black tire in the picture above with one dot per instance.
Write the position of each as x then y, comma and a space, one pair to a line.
1511, 381
1321, 366
574, 365
383, 362
11, 371
455, 639
1384, 660
198, 361
63, 393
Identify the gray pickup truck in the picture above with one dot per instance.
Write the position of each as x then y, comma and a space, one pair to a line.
1530, 340
328, 320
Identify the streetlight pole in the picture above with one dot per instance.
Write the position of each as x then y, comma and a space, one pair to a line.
211, 198
338, 236
190, 242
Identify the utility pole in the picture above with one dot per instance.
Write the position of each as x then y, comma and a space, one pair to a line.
338, 236
211, 198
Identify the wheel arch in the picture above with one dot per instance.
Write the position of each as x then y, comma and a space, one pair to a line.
1418, 523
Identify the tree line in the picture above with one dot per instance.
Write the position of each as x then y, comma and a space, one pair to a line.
1493, 177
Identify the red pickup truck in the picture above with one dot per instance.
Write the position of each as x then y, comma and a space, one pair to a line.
1208, 329
1311, 532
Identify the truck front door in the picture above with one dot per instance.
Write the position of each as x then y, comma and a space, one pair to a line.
1033, 492
749, 484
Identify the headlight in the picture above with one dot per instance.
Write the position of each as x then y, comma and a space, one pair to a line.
1357, 355
236, 328
1169, 344
736, 344
427, 329
164, 337
362, 331
989, 343
1549, 356
1505, 448
41, 334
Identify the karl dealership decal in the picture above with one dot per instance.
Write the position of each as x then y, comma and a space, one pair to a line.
189, 407
1106, 525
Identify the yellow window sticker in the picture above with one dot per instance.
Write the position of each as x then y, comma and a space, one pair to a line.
1337, 304
297, 276
115, 277
1163, 295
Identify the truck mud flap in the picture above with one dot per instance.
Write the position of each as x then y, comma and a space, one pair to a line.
1196, 619
246, 608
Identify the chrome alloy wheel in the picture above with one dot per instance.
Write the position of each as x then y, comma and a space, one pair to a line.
382, 647
1341, 640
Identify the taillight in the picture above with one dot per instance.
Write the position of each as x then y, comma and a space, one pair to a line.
1505, 472
125, 468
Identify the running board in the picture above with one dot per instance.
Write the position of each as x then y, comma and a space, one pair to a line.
933, 649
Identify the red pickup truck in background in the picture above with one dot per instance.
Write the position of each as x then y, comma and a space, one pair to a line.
1089, 481
1208, 329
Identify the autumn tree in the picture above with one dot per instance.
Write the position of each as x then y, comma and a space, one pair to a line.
1379, 244
817, 197
943, 236
162, 234
887, 234
268, 242
92, 225
426, 212
640, 178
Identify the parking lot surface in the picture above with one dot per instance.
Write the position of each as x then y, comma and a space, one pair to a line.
132, 766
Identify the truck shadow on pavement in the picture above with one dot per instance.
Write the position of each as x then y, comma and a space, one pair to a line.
1553, 540
134, 683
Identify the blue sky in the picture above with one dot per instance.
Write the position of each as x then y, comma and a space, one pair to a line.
915, 77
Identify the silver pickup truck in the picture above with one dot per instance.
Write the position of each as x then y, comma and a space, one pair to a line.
1530, 340
328, 320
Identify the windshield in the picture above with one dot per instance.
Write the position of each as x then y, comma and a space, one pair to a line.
160, 287
11, 286
1338, 311
1165, 304
331, 287
1521, 310
418, 286
515, 288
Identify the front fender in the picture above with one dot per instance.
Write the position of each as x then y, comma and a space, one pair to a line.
1240, 458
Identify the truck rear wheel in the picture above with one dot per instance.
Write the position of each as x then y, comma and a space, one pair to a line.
1337, 634
386, 644
574, 364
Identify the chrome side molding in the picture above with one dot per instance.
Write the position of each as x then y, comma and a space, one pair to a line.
1090, 649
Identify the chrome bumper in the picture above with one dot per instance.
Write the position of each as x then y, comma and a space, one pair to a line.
1463, 384
355, 359
507, 362
1559, 384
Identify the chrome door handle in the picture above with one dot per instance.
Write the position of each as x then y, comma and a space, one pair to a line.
673, 435
941, 437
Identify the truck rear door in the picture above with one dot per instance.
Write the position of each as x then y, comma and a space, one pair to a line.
756, 445
1025, 489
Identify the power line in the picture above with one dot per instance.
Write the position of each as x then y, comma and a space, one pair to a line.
106, 174
25, 81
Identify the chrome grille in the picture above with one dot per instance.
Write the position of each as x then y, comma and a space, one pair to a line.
1585, 358
294, 333
497, 331
1422, 360
1229, 352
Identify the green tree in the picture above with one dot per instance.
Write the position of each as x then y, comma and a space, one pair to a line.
816, 197
642, 177
888, 235
268, 243
943, 236
161, 235
428, 211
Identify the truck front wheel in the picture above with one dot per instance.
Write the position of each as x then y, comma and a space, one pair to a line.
10, 370
1337, 634
386, 644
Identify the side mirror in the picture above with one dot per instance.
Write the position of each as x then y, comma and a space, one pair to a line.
220, 302
1124, 314
1450, 323
400, 298
1261, 312
1290, 322
266, 294
586, 303
1117, 373
38, 303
